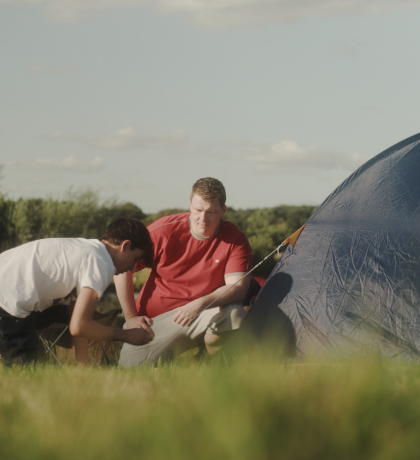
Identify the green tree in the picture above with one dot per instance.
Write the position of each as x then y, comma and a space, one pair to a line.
84, 214
78, 214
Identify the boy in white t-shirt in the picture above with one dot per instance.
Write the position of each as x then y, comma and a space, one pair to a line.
35, 277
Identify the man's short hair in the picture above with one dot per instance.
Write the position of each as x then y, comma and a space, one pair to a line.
209, 189
135, 231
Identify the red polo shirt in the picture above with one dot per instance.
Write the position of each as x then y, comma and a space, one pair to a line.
188, 267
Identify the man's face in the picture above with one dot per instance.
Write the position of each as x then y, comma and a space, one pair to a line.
127, 259
205, 216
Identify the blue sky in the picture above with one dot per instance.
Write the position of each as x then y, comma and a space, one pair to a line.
279, 99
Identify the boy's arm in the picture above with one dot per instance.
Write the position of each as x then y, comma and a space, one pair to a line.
82, 324
125, 292
79, 344
80, 347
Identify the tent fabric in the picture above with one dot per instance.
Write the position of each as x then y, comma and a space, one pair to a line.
351, 283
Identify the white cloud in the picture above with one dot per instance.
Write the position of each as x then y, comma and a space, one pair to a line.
41, 67
70, 164
128, 139
226, 13
290, 157
231, 13
373, 108
285, 156
117, 184
348, 51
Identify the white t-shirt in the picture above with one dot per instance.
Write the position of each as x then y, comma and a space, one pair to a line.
36, 275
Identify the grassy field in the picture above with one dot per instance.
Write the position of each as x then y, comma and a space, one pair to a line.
252, 409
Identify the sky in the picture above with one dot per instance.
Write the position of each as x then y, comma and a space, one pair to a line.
137, 99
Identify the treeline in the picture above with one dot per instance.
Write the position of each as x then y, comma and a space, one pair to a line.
77, 214
83, 214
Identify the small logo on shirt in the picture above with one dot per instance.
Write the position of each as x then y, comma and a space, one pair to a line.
217, 260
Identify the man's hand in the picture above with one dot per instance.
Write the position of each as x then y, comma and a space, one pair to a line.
185, 315
140, 322
137, 336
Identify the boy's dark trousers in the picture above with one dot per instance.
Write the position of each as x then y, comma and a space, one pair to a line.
19, 343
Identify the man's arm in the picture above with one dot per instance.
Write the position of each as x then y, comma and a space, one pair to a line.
185, 315
125, 292
82, 324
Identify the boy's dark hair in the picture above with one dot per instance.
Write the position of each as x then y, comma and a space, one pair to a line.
135, 231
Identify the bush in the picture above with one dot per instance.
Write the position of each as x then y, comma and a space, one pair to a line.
83, 214
78, 214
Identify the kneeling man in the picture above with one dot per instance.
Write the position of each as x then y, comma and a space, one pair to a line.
198, 256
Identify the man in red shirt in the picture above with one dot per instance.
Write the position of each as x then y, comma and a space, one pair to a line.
198, 256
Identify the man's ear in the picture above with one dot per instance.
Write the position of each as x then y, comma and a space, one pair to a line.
224, 209
125, 245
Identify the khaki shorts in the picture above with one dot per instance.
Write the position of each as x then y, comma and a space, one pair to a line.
171, 338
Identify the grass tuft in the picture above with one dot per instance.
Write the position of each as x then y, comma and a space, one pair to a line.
257, 409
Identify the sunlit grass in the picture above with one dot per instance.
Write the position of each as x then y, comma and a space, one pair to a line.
250, 409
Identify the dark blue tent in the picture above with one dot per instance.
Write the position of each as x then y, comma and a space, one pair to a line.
351, 283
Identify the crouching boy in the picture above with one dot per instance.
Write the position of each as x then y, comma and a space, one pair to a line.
35, 277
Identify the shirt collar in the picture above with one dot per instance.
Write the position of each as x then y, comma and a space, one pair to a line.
203, 238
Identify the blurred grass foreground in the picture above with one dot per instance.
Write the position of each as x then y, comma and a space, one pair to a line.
253, 409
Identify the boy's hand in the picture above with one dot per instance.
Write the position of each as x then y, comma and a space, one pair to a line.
137, 336
142, 322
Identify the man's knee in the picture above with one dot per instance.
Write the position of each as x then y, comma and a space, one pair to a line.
229, 319
237, 315
215, 342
